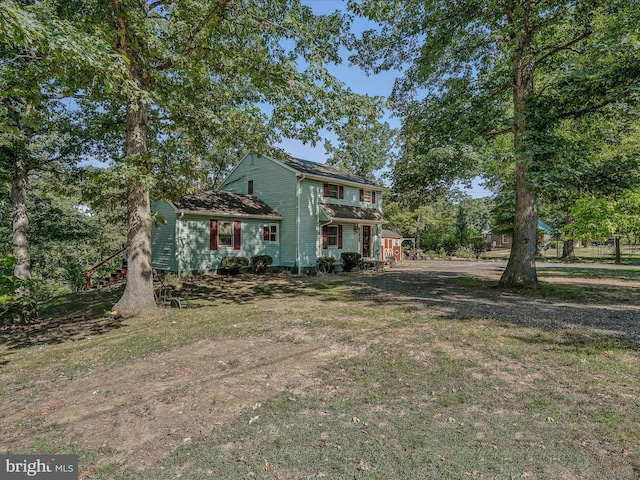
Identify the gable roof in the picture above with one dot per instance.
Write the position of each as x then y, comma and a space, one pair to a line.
390, 234
327, 172
226, 204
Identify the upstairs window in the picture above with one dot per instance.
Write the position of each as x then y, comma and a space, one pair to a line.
367, 196
333, 190
250, 187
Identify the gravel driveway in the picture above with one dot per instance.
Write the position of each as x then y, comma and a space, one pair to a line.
437, 284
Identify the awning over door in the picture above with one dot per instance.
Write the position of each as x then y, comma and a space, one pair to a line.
348, 214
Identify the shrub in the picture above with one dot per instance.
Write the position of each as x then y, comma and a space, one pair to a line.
234, 265
350, 260
328, 261
261, 263
464, 252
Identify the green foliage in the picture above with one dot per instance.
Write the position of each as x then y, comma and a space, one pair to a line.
234, 265
261, 263
350, 260
465, 252
9, 283
328, 261
364, 144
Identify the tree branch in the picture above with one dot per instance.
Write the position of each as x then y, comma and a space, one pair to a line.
160, 3
566, 46
123, 27
189, 43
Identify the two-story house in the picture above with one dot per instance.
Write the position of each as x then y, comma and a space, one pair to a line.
294, 210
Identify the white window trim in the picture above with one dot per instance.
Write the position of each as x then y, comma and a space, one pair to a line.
505, 239
329, 227
277, 240
365, 194
220, 245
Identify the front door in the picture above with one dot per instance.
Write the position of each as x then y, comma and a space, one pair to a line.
366, 241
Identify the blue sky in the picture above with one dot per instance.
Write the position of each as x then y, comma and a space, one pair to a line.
359, 82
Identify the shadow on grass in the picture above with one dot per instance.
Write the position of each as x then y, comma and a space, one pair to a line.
580, 342
455, 295
64, 318
209, 290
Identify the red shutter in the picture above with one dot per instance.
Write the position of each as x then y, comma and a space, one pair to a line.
326, 190
236, 235
361, 195
339, 236
265, 234
213, 234
373, 197
325, 237
341, 191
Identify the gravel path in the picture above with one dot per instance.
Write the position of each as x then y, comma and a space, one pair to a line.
436, 284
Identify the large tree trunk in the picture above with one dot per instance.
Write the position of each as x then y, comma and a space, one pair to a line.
138, 293
521, 269
26, 307
618, 258
19, 186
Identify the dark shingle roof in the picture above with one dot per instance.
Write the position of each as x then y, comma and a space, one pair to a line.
324, 170
225, 203
348, 213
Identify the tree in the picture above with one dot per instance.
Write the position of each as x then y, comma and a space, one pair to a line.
365, 145
42, 61
495, 68
203, 69
603, 218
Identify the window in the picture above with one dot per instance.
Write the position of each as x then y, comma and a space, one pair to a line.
271, 233
367, 196
332, 236
332, 190
505, 239
250, 187
224, 234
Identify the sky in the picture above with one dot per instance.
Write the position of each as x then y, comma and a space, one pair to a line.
356, 79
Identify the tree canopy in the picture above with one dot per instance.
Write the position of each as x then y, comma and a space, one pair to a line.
477, 71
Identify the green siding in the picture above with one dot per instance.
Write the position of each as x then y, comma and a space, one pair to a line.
163, 239
195, 240
277, 186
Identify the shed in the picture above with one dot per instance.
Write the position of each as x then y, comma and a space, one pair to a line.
392, 245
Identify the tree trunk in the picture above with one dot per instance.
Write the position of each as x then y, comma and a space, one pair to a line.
26, 307
138, 293
19, 186
568, 252
617, 246
521, 269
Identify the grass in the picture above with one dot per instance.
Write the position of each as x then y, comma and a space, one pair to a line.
426, 398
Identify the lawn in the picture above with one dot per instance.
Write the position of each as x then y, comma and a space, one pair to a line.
323, 377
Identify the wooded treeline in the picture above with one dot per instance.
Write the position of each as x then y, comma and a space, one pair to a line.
160, 98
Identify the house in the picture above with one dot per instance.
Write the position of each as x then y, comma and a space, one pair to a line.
291, 209
499, 238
